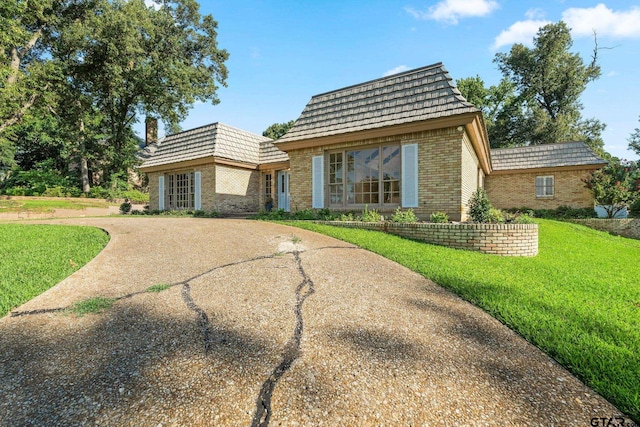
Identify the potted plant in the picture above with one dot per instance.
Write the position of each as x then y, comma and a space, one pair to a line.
268, 203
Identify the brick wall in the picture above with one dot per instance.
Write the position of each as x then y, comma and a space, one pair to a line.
628, 227
470, 166
439, 165
153, 189
497, 239
236, 189
517, 190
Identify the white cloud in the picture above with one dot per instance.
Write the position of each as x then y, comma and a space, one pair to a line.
449, 11
398, 69
607, 22
520, 32
536, 13
612, 73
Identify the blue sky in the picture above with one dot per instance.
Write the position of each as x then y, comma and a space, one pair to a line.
284, 52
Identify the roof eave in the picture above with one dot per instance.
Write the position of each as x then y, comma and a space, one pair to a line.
429, 124
592, 166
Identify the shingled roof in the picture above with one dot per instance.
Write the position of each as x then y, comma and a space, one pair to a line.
421, 94
544, 156
216, 139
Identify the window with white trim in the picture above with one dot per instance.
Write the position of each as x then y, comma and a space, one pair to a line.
180, 191
544, 186
364, 176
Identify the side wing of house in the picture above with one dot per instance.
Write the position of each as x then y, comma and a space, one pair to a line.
211, 168
542, 177
409, 140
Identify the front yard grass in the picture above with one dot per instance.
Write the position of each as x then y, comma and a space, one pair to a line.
33, 258
578, 300
36, 205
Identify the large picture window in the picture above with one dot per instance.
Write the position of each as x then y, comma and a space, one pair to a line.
180, 191
364, 176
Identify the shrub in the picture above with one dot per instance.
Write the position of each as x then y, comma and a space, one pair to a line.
439, 217
325, 215
634, 209
371, 215
98, 192
524, 219
479, 206
404, 216
56, 191
496, 216
347, 217
125, 207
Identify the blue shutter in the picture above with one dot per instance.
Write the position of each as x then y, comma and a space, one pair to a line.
409, 178
317, 178
161, 193
197, 202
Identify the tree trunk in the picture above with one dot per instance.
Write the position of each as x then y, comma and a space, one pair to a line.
84, 167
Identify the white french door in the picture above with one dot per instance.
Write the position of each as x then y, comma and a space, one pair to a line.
283, 190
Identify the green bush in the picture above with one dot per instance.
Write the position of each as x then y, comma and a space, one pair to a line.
371, 215
347, 217
634, 209
496, 216
98, 192
479, 206
524, 219
125, 207
56, 191
439, 217
404, 216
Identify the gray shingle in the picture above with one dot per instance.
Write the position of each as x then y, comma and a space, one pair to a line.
416, 95
544, 156
216, 139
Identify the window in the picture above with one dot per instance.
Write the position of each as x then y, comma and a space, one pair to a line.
364, 176
180, 191
544, 186
267, 186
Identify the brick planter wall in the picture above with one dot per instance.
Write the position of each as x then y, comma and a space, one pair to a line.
629, 227
497, 239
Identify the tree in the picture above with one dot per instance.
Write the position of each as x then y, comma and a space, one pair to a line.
128, 60
277, 130
614, 187
503, 112
634, 141
538, 99
549, 80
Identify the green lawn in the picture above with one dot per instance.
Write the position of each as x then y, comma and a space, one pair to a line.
48, 205
578, 300
33, 258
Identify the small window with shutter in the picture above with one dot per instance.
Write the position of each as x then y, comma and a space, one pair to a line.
544, 186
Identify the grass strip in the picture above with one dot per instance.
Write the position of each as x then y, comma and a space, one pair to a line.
578, 300
33, 258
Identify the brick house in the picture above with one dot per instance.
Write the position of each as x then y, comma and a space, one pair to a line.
542, 176
408, 140
212, 168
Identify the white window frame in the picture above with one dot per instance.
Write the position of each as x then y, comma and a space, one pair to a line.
544, 183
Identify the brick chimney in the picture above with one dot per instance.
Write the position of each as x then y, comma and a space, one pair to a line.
151, 131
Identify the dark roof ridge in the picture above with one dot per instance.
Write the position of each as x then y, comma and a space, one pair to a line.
415, 70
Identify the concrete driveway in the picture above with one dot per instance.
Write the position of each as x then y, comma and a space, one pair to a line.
265, 324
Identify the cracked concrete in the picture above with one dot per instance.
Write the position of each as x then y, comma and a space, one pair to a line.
267, 325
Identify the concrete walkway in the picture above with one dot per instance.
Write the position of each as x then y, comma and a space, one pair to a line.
268, 325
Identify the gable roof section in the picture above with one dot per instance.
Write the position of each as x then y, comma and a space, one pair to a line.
544, 156
421, 94
217, 140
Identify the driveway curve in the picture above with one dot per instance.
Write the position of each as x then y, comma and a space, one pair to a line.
263, 324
